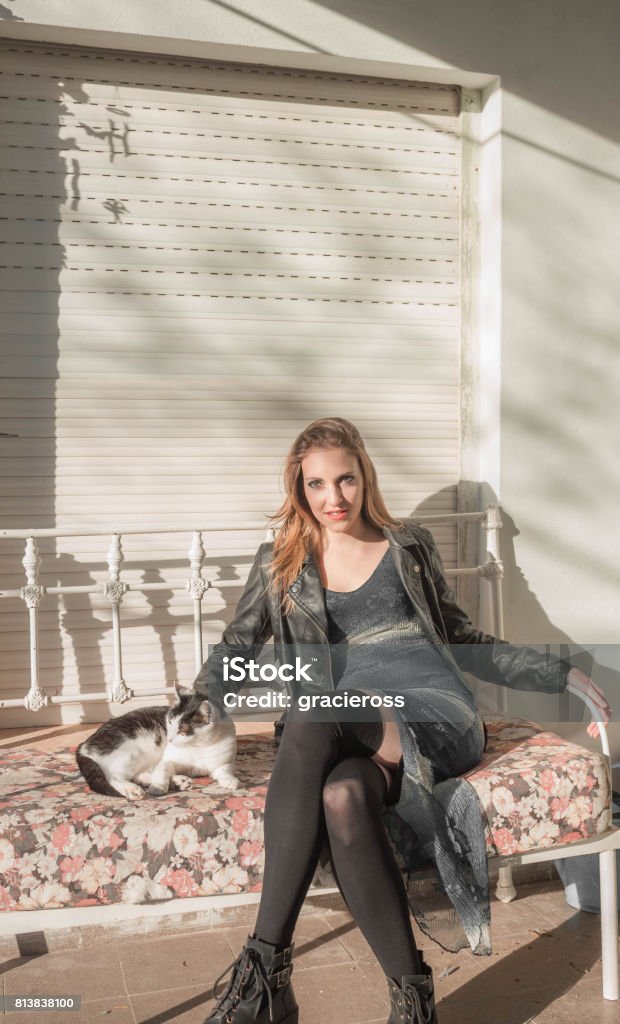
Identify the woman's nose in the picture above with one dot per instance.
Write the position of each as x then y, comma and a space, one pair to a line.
334, 494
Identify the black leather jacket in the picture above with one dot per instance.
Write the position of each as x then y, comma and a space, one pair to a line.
259, 617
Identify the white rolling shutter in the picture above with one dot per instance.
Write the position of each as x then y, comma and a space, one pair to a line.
199, 258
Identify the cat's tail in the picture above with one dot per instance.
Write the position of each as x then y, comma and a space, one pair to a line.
94, 775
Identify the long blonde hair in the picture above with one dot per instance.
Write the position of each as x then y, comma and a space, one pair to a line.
299, 532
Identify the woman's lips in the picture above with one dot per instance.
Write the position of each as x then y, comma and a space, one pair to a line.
337, 515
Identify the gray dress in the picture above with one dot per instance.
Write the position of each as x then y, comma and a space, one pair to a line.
377, 644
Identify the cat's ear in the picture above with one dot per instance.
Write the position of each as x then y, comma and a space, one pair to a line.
208, 712
183, 691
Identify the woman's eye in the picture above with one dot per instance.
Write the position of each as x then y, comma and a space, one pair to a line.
314, 483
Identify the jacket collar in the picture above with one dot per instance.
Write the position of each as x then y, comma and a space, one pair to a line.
308, 591
406, 537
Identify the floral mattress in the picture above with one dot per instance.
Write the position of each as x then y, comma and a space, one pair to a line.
63, 845
539, 790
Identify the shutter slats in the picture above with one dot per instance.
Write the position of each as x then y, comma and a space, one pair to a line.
197, 259
218, 305
56, 65
319, 286
80, 334
293, 240
31, 99
140, 129
95, 188
133, 144
265, 214
57, 163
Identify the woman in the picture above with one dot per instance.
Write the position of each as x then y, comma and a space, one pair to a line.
363, 601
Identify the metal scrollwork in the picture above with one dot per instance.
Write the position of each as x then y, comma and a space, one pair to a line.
32, 594
197, 588
35, 700
492, 570
120, 693
115, 590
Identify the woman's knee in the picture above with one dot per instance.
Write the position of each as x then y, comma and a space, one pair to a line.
350, 796
342, 797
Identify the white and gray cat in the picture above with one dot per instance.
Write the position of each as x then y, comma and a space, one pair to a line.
159, 748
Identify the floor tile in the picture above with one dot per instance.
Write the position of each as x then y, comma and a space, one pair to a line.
518, 986
68, 974
376, 979
351, 937
341, 993
178, 961
181, 1005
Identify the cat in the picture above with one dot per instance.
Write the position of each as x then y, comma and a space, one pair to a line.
156, 748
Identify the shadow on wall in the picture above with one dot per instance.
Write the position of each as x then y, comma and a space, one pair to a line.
562, 57
523, 605
163, 618
7, 14
167, 613
29, 333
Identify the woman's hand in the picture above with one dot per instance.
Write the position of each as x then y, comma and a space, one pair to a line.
578, 680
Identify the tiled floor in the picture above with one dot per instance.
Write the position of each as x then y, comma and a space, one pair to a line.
545, 969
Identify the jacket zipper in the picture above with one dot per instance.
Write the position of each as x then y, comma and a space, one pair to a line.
443, 647
310, 615
417, 608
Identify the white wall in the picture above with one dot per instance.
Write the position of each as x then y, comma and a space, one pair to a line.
559, 477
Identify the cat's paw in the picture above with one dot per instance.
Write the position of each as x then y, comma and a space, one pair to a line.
157, 790
181, 782
227, 781
130, 790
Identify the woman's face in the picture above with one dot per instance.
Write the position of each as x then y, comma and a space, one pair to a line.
334, 488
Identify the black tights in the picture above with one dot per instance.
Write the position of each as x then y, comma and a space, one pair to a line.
325, 786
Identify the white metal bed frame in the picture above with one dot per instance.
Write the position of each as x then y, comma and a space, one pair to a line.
115, 588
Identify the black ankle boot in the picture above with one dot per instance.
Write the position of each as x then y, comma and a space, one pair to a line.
413, 1001
259, 990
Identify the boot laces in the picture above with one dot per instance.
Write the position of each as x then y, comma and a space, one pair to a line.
248, 960
421, 1012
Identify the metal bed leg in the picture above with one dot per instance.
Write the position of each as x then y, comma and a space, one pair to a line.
609, 923
505, 890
